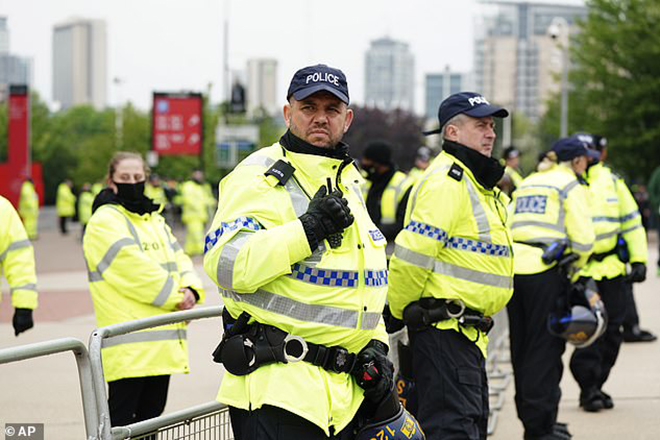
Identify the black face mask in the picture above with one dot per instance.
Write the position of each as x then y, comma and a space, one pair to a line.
371, 172
131, 192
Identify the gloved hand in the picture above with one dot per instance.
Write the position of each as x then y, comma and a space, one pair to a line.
392, 324
637, 273
22, 320
327, 214
374, 372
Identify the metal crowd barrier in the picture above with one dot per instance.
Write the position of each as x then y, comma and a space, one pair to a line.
498, 379
40, 349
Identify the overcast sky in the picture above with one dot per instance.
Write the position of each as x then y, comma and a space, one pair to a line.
171, 45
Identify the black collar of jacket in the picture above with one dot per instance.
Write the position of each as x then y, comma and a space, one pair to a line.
108, 197
486, 170
293, 143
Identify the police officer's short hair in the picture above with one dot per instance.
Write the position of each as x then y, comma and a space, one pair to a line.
458, 119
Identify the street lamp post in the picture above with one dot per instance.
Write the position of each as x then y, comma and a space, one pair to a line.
559, 31
119, 115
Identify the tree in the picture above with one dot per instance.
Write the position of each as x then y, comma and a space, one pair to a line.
402, 129
616, 82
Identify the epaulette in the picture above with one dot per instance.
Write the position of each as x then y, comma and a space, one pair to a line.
281, 170
455, 172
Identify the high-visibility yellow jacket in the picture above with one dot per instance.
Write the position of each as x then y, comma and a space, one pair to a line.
85, 202
258, 254
136, 268
614, 212
515, 176
17, 258
394, 191
65, 201
28, 205
547, 207
455, 245
155, 193
97, 188
194, 200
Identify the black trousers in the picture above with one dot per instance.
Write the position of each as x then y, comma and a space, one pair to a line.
631, 318
137, 398
272, 423
451, 385
63, 221
535, 353
591, 366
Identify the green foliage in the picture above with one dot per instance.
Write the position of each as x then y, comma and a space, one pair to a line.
616, 83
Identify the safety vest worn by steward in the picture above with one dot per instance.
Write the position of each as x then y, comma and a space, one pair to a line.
85, 202
28, 205
392, 194
258, 254
455, 245
547, 207
136, 268
17, 258
615, 212
194, 200
155, 193
65, 201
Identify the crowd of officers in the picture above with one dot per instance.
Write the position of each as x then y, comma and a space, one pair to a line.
308, 249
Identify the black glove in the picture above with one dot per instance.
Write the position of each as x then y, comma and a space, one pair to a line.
22, 320
392, 324
326, 215
637, 273
374, 372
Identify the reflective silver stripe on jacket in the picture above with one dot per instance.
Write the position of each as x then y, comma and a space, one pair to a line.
30, 286
14, 246
291, 308
230, 250
110, 254
148, 336
170, 266
549, 240
478, 212
370, 320
452, 270
559, 227
164, 293
581, 247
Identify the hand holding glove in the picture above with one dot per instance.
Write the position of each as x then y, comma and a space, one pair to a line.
374, 372
637, 272
326, 215
22, 320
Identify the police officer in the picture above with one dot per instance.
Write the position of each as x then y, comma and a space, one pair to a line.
28, 208
453, 268
137, 269
549, 208
294, 250
618, 224
385, 188
65, 203
422, 162
194, 212
512, 178
17, 263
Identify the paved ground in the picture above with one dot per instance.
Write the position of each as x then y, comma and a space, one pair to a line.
46, 390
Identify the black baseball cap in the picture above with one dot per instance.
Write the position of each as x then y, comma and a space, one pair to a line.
468, 103
571, 147
312, 79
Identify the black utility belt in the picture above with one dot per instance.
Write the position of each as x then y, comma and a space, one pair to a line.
428, 311
246, 347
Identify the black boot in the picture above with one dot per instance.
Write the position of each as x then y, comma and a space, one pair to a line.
608, 403
636, 334
590, 400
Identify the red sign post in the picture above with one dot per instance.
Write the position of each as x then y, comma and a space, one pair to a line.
177, 125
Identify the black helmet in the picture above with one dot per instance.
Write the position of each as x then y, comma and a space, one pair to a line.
583, 319
401, 426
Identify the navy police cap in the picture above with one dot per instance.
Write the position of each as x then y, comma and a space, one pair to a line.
569, 148
468, 103
312, 79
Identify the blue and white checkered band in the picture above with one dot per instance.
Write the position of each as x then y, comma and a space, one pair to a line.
376, 235
465, 244
240, 223
531, 204
324, 277
427, 230
375, 278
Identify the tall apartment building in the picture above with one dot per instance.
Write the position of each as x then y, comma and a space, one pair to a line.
262, 87
516, 62
390, 75
438, 86
80, 63
14, 69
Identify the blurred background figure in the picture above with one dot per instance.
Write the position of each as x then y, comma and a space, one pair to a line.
654, 201
66, 204
154, 190
512, 177
422, 162
85, 202
195, 213
28, 208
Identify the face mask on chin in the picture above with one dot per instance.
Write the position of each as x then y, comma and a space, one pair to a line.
131, 192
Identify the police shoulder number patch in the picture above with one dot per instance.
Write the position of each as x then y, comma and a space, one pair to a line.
456, 172
531, 204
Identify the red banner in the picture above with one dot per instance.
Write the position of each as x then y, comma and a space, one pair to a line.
177, 125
